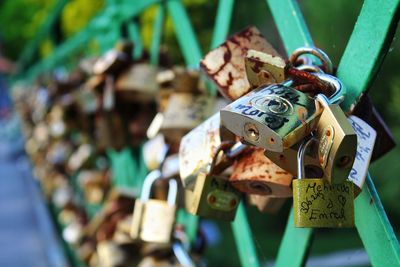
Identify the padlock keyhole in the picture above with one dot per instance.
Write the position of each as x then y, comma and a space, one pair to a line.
251, 132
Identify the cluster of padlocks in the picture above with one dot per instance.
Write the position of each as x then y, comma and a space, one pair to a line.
120, 146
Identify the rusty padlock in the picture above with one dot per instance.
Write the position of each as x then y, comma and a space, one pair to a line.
225, 65
253, 173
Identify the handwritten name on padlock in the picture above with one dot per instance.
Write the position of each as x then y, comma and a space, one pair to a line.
320, 204
272, 117
366, 137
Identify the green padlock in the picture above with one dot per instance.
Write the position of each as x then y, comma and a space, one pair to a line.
316, 203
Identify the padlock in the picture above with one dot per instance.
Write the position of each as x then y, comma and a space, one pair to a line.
170, 166
264, 69
213, 196
225, 66
253, 173
287, 158
185, 80
278, 116
137, 83
184, 112
337, 146
114, 60
316, 203
153, 219
267, 204
110, 254
154, 152
273, 117
330, 148
198, 148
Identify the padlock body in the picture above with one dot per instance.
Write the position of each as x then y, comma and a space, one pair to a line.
153, 221
337, 144
274, 117
158, 221
213, 197
184, 112
318, 204
198, 148
287, 160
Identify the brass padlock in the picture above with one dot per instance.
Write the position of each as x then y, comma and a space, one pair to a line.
184, 112
110, 254
273, 117
198, 148
316, 203
337, 146
213, 196
253, 173
264, 69
137, 83
114, 60
153, 219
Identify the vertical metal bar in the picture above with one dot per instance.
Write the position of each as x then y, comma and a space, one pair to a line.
374, 228
290, 23
240, 227
184, 32
295, 245
294, 33
367, 47
371, 221
134, 34
157, 35
244, 239
222, 22
192, 54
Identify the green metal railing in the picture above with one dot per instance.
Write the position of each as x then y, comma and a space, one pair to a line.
365, 51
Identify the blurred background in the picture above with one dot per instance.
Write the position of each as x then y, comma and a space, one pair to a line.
330, 23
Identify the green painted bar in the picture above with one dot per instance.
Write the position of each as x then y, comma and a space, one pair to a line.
367, 47
295, 245
44, 31
290, 23
374, 228
240, 227
134, 35
192, 54
184, 32
244, 239
381, 245
157, 35
294, 33
222, 22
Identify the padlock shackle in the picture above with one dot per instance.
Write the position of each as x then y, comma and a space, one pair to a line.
172, 192
340, 90
300, 156
321, 55
147, 184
